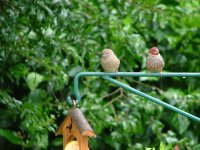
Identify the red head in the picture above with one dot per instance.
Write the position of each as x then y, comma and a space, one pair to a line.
153, 51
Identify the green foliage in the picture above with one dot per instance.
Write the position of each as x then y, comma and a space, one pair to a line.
11, 136
33, 79
44, 44
162, 147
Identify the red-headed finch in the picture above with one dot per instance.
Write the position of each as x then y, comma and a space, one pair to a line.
109, 61
154, 61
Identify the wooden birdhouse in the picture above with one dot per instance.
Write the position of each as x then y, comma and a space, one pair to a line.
75, 128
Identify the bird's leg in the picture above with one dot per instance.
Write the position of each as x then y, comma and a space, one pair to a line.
116, 73
161, 74
149, 73
106, 73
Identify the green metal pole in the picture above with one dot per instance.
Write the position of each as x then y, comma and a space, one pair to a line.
137, 92
125, 74
106, 76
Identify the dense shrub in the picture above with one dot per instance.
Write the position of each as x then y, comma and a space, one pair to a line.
44, 44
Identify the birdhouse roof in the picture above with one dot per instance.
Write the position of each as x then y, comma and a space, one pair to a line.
79, 121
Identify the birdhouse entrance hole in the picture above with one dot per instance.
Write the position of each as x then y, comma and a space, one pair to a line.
71, 138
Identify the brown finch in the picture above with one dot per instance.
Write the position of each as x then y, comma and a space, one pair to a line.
154, 61
109, 61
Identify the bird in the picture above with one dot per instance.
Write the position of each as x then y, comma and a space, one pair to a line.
109, 61
154, 61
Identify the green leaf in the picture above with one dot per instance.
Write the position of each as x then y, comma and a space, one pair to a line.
33, 80
11, 136
165, 147
32, 35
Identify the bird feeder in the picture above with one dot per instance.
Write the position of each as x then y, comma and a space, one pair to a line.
75, 127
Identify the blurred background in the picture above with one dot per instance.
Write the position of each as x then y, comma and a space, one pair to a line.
44, 44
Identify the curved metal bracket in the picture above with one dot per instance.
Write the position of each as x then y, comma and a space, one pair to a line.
106, 76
